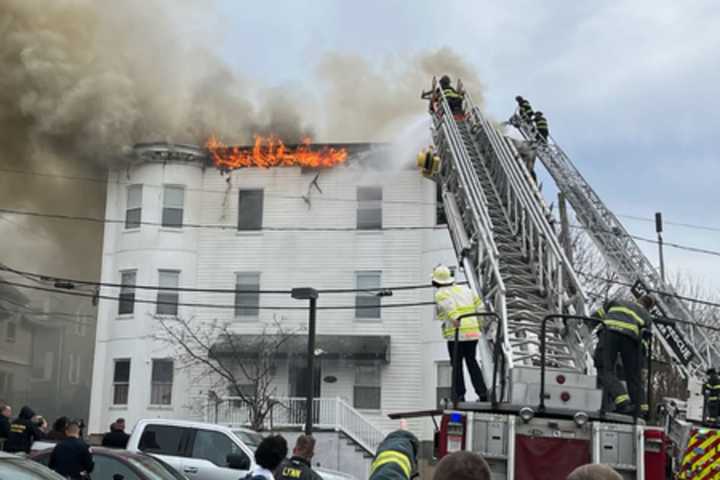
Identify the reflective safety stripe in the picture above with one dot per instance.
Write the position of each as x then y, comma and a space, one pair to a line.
392, 456
452, 93
619, 324
542, 123
622, 398
713, 398
644, 407
630, 313
600, 312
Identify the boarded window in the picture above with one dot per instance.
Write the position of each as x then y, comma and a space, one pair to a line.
444, 384
126, 305
247, 299
121, 382
133, 210
173, 202
250, 210
167, 300
369, 212
162, 382
367, 389
367, 303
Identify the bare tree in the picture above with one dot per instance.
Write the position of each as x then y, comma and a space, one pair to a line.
244, 366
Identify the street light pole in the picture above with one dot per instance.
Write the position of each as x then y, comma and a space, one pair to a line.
658, 230
306, 293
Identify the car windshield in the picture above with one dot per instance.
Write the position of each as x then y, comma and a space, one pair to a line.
152, 469
22, 469
251, 439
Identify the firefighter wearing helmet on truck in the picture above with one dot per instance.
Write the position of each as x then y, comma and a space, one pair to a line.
452, 301
711, 390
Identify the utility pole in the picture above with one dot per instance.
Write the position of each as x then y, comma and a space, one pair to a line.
658, 230
307, 293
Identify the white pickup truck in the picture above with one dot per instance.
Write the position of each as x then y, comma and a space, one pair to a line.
204, 451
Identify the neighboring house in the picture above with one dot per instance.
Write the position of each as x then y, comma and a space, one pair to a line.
378, 360
15, 345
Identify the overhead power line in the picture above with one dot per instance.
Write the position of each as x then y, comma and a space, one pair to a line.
666, 222
216, 226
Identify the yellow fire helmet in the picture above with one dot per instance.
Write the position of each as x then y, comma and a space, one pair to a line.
442, 275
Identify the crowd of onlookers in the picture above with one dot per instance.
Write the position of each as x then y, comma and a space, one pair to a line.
396, 458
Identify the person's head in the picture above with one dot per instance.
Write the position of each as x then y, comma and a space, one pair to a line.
442, 276
271, 452
462, 466
5, 410
594, 471
60, 424
647, 301
519, 98
444, 81
119, 425
304, 447
72, 429
538, 114
26, 413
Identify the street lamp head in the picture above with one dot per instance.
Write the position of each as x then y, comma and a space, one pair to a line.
304, 293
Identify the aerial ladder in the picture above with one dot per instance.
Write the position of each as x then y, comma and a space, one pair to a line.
691, 348
505, 241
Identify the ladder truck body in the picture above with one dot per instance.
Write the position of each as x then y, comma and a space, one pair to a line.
506, 245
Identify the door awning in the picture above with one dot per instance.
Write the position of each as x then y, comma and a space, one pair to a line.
340, 347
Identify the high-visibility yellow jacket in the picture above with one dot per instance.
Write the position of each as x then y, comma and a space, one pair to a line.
452, 302
628, 318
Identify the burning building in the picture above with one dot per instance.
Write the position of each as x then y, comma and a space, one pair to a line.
328, 217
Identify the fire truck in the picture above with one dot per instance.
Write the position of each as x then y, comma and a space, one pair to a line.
545, 414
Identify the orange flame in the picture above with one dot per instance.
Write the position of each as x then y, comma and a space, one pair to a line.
271, 152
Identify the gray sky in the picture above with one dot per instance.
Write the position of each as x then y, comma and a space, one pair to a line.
629, 87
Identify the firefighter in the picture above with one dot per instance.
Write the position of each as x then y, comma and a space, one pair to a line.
452, 301
454, 98
541, 124
524, 109
298, 467
396, 457
24, 430
711, 390
624, 326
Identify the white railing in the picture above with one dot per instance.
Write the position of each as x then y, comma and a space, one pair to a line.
289, 412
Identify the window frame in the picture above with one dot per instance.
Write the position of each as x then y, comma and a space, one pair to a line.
377, 386
11, 327
116, 383
154, 383
361, 298
242, 312
135, 224
257, 224
173, 226
164, 297
237, 448
369, 205
125, 292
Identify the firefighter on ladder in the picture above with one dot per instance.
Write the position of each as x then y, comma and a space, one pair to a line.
524, 109
625, 324
453, 301
711, 390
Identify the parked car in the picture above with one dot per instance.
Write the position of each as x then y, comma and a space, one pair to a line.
110, 462
203, 451
13, 467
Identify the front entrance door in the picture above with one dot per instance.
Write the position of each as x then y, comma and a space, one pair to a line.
299, 384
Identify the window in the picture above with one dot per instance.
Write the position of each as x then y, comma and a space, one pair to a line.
162, 381
74, 368
43, 366
173, 201
133, 209
214, 447
162, 439
246, 304
121, 382
369, 213
126, 305
444, 384
366, 393
367, 304
250, 210
167, 300
108, 467
10, 332
80, 325
6, 382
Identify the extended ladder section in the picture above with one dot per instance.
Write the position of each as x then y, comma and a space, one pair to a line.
511, 255
691, 347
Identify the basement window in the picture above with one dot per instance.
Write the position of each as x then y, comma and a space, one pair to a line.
173, 203
250, 210
126, 305
367, 304
369, 211
247, 304
121, 381
367, 389
167, 300
133, 210
162, 382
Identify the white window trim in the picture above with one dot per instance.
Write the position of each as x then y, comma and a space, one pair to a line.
160, 406
128, 315
360, 204
355, 310
168, 315
113, 383
379, 385
166, 228
127, 207
248, 318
